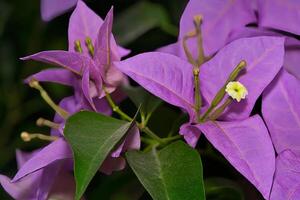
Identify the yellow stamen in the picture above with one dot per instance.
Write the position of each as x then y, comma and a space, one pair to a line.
44, 122
27, 137
77, 46
35, 84
90, 46
236, 90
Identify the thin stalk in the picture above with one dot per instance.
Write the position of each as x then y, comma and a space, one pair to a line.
220, 109
197, 23
150, 133
48, 123
169, 139
116, 108
198, 99
35, 84
148, 141
26, 137
141, 126
186, 49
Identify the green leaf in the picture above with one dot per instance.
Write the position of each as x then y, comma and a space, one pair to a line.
148, 102
222, 189
173, 173
139, 19
92, 136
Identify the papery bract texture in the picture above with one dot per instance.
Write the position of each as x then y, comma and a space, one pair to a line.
281, 112
292, 58
219, 19
38, 184
190, 133
60, 76
53, 8
247, 146
281, 15
264, 58
164, 75
55, 151
71, 61
83, 23
287, 177
292, 46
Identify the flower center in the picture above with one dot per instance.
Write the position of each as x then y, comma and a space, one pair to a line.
89, 45
236, 90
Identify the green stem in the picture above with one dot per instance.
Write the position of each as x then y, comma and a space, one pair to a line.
221, 93
150, 133
186, 49
141, 126
207, 112
148, 141
220, 109
198, 99
169, 139
116, 108
27, 137
197, 23
35, 84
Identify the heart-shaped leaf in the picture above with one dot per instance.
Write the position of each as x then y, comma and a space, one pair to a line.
175, 172
92, 136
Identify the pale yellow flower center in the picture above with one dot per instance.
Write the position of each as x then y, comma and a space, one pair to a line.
236, 90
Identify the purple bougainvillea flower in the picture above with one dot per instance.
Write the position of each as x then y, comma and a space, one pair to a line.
92, 68
53, 8
281, 111
239, 138
292, 58
287, 177
271, 14
87, 71
42, 173
292, 46
280, 15
219, 19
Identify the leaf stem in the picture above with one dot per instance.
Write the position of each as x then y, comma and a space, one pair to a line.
169, 139
220, 109
116, 108
150, 133
141, 126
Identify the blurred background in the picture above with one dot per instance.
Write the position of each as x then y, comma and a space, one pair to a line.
139, 25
